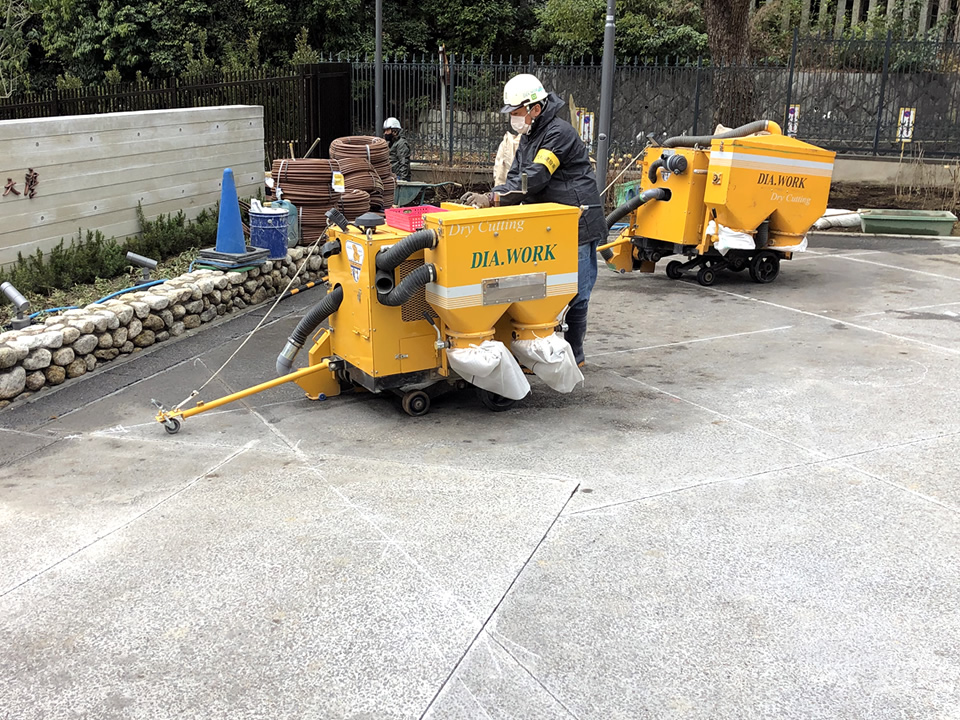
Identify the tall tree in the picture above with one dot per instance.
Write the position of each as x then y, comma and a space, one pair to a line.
14, 47
728, 31
646, 28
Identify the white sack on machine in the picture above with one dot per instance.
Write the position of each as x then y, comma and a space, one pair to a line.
490, 366
551, 359
730, 239
800, 247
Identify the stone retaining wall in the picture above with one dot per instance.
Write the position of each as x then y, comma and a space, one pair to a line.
75, 342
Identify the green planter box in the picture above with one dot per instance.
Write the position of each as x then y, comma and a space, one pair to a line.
907, 222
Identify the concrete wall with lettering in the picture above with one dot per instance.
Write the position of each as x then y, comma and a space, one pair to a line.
92, 170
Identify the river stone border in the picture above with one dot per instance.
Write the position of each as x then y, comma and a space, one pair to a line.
75, 342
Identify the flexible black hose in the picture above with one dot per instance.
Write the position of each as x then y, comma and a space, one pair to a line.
692, 140
652, 172
384, 281
390, 258
629, 206
308, 323
409, 286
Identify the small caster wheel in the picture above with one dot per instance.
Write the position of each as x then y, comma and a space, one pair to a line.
656, 256
764, 267
673, 270
706, 276
416, 403
492, 401
738, 264
172, 426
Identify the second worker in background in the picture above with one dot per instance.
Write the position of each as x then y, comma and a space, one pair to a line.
399, 148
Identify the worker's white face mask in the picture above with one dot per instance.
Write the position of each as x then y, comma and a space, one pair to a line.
519, 123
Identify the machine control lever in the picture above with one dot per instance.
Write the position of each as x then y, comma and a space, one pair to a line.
330, 248
439, 344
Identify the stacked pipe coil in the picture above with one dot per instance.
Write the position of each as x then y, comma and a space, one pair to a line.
354, 204
359, 175
373, 150
307, 183
389, 190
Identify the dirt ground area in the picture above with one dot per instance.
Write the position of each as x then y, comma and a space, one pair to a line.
855, 196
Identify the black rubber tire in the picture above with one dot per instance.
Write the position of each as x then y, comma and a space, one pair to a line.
416, 403
738, 263
673, 270
706, 276
492, 401
172, 426
765, 267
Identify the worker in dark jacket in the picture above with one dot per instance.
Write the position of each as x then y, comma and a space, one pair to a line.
399, 149
557, 166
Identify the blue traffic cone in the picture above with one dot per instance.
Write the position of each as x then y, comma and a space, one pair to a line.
229, 227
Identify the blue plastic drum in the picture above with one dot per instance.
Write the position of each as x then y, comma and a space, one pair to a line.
269, 230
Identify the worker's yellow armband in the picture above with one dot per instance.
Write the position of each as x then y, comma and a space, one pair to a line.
548, 159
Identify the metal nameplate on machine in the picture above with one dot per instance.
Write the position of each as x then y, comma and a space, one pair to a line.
515, 288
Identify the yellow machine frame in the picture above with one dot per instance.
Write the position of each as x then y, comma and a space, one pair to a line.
500, 273
769, 186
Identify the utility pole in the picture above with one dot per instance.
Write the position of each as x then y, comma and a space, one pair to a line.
606, 96
378, 72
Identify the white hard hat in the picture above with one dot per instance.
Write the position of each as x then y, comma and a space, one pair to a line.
391, 123
522, 90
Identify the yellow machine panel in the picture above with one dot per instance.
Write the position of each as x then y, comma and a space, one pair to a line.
681, 220
769, 177
377, 338
521, 260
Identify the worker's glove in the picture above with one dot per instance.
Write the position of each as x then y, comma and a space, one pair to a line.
478, 200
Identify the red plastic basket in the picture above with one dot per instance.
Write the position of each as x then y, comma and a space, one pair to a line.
409, 218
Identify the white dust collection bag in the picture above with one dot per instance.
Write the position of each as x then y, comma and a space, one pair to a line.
800, 247
490, 366
730, 239
551, 359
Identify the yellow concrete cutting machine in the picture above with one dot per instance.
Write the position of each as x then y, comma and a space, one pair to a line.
741, 199
464, 299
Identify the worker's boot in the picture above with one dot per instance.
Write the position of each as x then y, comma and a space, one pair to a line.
576, 330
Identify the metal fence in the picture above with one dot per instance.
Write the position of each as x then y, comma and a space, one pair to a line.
846, 95
293, 101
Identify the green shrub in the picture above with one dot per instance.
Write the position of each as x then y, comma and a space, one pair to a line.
92, 256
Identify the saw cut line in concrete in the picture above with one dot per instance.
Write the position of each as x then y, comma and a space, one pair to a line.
493, 612
834, 320
690, 342
132, 520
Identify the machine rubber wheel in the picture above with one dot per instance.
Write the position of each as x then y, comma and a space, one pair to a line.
738, 263
706, 276
416, 403
764, 267
673, 270
172, 426
492, 401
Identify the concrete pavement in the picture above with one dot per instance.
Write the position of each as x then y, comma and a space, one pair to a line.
750, 510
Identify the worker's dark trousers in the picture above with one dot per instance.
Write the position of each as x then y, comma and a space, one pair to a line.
577, 314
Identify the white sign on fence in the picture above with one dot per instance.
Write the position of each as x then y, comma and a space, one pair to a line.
905, 124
